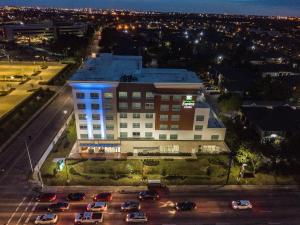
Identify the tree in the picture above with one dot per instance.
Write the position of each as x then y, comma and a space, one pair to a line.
246, 156
229, 102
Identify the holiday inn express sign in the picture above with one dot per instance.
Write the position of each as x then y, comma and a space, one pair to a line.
188, 103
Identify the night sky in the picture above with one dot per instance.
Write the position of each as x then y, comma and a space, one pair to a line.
257, 7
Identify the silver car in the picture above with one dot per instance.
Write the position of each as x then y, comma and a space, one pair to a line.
136, 217
241, 204
49, 218
97, 207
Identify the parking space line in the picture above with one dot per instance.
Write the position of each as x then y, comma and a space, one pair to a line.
25, 211
31, 212
19, 205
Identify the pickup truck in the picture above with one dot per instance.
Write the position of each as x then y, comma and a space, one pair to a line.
88, 218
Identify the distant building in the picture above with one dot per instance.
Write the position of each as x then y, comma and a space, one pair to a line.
14, 32
121, 107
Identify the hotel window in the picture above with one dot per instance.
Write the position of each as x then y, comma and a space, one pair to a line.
84, 136
136, 134
96, 116
176, 108
149, 95
136, 115
97, 136
175, 118
80, 106
148, 125
174, 127
197, 137
108, 95
149, 115
149, 105
123, 135
148, 134
164, 108
95, 106
162, 137
123, 105
83, 127
214, 137
123, 125
79, 95
108, 107
136, 95
199, 127
123, 115
96, 127
122, 94
109, 136
163, 117
109, 126
136, 125
173, 136
109, 117
136, 105
94, 95
176, 98
82, 116
199, 118
165, 98
163, 127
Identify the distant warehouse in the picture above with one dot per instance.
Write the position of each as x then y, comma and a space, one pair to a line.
20, 31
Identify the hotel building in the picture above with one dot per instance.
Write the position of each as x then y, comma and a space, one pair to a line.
121, 107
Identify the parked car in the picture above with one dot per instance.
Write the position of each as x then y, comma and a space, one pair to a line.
97, 207
88, 218
136, 217
46, 219
76, 196
185, 206
103, 197
59, 207
46, 197
148, 195
241, 204
130, 206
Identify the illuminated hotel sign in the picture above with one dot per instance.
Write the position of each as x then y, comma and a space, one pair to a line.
188, 103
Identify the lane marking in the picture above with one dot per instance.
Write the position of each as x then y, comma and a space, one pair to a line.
25, 211
14, 213
31, 212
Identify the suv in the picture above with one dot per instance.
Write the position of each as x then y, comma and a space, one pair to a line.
130, 206
136, 217
185, 206
59, 206
96, 207
145, 195
88, 218
46, 219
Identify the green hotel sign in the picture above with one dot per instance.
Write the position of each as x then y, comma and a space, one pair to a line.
188, 103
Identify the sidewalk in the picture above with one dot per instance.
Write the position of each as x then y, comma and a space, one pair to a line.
182, 188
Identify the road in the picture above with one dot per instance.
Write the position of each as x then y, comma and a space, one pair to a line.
270, 208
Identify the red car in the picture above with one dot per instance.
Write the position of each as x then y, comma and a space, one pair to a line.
103, 197
46, 197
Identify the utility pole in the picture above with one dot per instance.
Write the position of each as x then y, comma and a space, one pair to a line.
28, 154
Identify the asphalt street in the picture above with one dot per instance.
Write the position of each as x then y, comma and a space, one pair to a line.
213, 208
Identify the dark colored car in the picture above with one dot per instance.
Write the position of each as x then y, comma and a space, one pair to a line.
46, 197
185, 206
103, 197
130, 206
59, 207
76, 196
148, 195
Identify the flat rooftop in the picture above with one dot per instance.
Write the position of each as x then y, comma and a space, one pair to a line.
116, 68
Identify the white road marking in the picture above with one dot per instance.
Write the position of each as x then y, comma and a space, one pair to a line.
12, 216
30, 214
25, 211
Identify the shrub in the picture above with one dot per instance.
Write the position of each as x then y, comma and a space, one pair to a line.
191, 160
150, 162
129, 153
215, 171
74, 172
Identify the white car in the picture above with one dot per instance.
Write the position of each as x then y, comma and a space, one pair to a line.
241, 204
96, 207
88, 218
46, 219
136, 217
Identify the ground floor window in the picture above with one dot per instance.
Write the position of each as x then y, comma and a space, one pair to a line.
169, 149
209, 148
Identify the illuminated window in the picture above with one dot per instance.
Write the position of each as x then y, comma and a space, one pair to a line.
165, 98
123, 115
95, 106
175, 118
176, 97
149, 115
80, 106
197, 137
136, 95
164, 108
109, 136
174, 127
108, 107
108, 95
173, 136
79, 95
123, 125
148, 125
122, 94
136, 105
149, 105
214, 137
123, 105
199, 127
83, 127
163, 127
162, 137
109, 117
94, 95
136, 115
82, 116
96, 127
149, 95
163, 117
84, 136
97, 136
123, 134
176, 108
136, 125
109, 126
96, 116
148, 134
199, 118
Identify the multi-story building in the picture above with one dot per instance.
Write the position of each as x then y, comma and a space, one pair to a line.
122, 107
